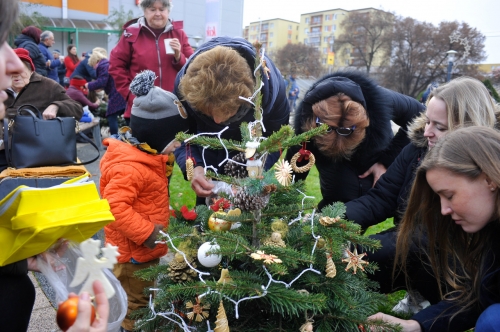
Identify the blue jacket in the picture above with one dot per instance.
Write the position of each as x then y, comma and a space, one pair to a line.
293, 88
54, 64
105, 81
274, 104
84, 69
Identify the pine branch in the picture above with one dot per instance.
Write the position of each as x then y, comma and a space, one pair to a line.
211, 142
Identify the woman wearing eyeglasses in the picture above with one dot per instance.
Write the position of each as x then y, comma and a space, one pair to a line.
359, 145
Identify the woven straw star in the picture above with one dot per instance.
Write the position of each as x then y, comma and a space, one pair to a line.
283, 172
198, 310
354, 260
268, 259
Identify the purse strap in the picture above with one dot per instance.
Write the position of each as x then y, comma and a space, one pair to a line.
20, 109
88, 140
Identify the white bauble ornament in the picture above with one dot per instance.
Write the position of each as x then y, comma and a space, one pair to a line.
208, 260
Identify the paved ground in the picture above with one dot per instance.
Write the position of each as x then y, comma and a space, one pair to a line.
43, 318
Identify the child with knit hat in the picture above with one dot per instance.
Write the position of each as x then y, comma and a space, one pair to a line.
134, 181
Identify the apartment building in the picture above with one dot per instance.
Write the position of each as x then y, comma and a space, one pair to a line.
84, 22
273, 34
321, 29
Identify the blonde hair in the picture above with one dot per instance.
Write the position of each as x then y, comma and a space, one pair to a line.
215, 80
468, 102
98, 53
457, 258
339, 111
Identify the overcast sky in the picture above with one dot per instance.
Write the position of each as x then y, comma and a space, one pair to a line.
484, 15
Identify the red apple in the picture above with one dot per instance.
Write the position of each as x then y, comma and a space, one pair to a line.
67, 312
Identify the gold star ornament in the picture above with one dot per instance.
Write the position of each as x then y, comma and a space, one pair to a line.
199, 310
268, 259
354, 260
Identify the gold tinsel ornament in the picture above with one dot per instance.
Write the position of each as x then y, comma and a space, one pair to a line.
221, 324
354, 260
283, 172
199, 310
189, 168
331, 270
328, 221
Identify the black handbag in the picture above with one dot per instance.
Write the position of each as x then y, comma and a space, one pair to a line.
31, 141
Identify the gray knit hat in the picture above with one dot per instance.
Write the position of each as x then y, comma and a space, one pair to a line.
157, 115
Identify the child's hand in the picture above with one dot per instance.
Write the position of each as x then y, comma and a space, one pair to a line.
171, 147
150, 241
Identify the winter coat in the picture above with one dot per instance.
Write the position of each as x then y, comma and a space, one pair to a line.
78, 95
275, 107
39, 60
70, 66
139, 49
389, 196
135, 185
105, 81
83, 69
42, 92
339, 179
54, 63
436, 318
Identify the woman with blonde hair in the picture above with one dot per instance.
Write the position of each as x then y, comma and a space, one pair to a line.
116, 105
453, 219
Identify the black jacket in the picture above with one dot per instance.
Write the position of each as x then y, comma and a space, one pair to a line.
84, 69
339, 179
276, 111
389, 196
26, 42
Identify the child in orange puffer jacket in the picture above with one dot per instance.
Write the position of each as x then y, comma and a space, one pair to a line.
134, 181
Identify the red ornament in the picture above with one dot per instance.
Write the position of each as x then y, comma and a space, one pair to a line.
304, 155
220, 204
188, 215
67, 312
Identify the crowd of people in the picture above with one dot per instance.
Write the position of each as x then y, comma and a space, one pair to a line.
437, 176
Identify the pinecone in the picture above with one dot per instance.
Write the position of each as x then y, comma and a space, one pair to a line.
236, 170
179, 271
247, 202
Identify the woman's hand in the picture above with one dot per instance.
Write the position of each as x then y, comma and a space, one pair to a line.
82, 322
50, 112
407, 325
176, 46
377, 170
201, 186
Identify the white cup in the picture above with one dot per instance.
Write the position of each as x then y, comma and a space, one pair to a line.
168, 48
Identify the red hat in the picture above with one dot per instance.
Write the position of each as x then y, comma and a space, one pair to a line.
25, 56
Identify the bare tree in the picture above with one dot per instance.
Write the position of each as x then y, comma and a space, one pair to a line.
299, 59
28, 15
419, 53
368, 35
118, 17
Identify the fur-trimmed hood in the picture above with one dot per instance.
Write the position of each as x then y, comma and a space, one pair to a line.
361, 89
417, 127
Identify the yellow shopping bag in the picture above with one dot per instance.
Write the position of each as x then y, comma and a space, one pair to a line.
33, 219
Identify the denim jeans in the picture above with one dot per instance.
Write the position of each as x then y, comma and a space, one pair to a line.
489, 321
113, 123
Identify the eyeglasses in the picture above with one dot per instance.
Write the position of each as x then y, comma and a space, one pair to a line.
342, 131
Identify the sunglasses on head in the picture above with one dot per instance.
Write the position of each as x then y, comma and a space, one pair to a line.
342, 131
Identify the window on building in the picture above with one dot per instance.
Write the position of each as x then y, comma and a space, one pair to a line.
306, 41
327, 17
271, 34
325, 39
334, 17
328, 28
334, 27
316, 19
347, 62
289, 27
306, 31
270, 44
289, 36
271, 25
323, 61
325, 50
307, 19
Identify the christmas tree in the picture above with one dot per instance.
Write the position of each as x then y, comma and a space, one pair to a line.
259, 257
